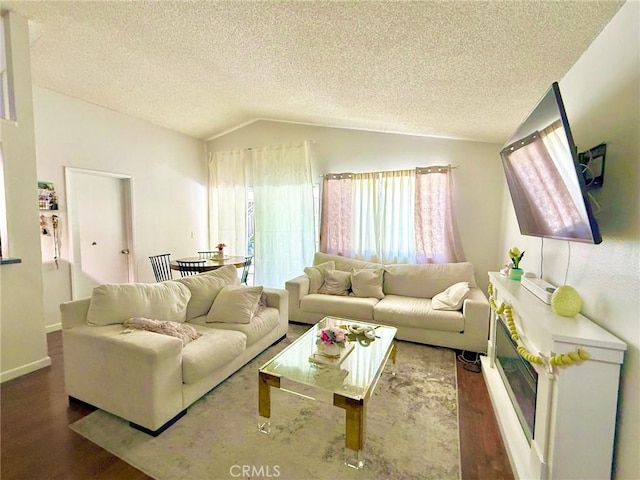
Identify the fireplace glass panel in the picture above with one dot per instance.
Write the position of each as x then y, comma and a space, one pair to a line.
519, 377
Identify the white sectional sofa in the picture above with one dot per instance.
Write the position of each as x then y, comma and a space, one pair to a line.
149, 378
404, 300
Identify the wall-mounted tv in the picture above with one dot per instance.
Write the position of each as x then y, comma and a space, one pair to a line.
544, 176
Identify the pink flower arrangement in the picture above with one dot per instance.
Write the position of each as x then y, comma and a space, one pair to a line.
333, 336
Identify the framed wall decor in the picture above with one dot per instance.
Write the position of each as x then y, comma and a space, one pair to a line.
47, 197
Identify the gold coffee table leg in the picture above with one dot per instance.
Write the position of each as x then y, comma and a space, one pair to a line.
265, 382
355, 429
394, 351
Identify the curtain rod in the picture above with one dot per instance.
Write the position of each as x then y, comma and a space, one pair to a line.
427, 169
311, 141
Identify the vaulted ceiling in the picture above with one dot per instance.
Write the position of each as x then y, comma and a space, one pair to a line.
459, 69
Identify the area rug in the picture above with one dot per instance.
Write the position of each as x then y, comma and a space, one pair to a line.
411, 428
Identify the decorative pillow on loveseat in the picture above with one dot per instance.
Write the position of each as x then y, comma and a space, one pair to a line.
367, 282
115, 303
336, 282
452, 298
183, 331
235, 304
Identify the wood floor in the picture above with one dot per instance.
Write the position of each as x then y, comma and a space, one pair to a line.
36, 442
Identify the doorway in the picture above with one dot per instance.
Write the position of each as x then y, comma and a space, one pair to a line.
100, 209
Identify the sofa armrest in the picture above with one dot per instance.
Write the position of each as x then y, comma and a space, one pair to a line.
298, 288
279, 298
136, 376
476, 313
74, 313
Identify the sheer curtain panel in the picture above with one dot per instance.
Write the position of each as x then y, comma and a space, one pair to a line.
437, 237
284, 224
228, 201
336, 211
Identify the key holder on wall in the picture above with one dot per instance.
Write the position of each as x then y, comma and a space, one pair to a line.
50, 226
55, 223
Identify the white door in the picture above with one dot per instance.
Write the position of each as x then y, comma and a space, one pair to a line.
99, 212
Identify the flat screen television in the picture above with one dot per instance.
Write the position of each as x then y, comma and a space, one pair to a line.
544, 176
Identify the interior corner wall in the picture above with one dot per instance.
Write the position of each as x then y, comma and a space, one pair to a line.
23, 343
601, 93
477, 180
169, 177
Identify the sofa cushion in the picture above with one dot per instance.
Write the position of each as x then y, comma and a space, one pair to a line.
343, 263
416, 313
235, 304
367, 282
115, 303
214, 349
347, 307
452, 298
316, 275
180, 330
205, 287
425, 281
336, 282
259, 327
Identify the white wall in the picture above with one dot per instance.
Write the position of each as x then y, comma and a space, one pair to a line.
23, 343
169, 181
477, 182
601, 93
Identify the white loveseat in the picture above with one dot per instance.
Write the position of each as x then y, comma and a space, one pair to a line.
149, 378
404, 301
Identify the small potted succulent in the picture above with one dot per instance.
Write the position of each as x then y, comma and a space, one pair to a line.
515, 272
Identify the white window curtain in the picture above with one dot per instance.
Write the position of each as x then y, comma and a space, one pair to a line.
228, 201
284, 222
396, 227
364, 228
437, 237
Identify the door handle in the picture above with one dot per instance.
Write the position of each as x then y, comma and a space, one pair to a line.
125, 251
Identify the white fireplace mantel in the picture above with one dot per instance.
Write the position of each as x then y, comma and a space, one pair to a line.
576, 404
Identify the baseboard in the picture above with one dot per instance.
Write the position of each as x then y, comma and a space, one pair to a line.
24, 369
53, 328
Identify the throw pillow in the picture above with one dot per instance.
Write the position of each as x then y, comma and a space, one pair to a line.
184, 332
451, 298
235, 304
336, 282
367, 282
316, 275
115, 303
205, 288
262, 303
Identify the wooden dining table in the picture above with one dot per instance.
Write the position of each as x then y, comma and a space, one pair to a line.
210, 263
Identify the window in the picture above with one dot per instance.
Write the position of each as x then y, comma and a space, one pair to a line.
403, 216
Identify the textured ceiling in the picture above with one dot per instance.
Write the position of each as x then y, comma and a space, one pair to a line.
460, 69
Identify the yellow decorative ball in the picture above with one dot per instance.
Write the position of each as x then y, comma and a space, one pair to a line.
565, 301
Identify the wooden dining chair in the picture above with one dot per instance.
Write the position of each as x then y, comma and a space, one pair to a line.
161, 266
190, 267
245, 270
207, 254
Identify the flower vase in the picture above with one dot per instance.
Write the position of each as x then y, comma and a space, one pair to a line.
516, 274
221, 253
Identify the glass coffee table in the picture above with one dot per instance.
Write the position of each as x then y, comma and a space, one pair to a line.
348, 385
